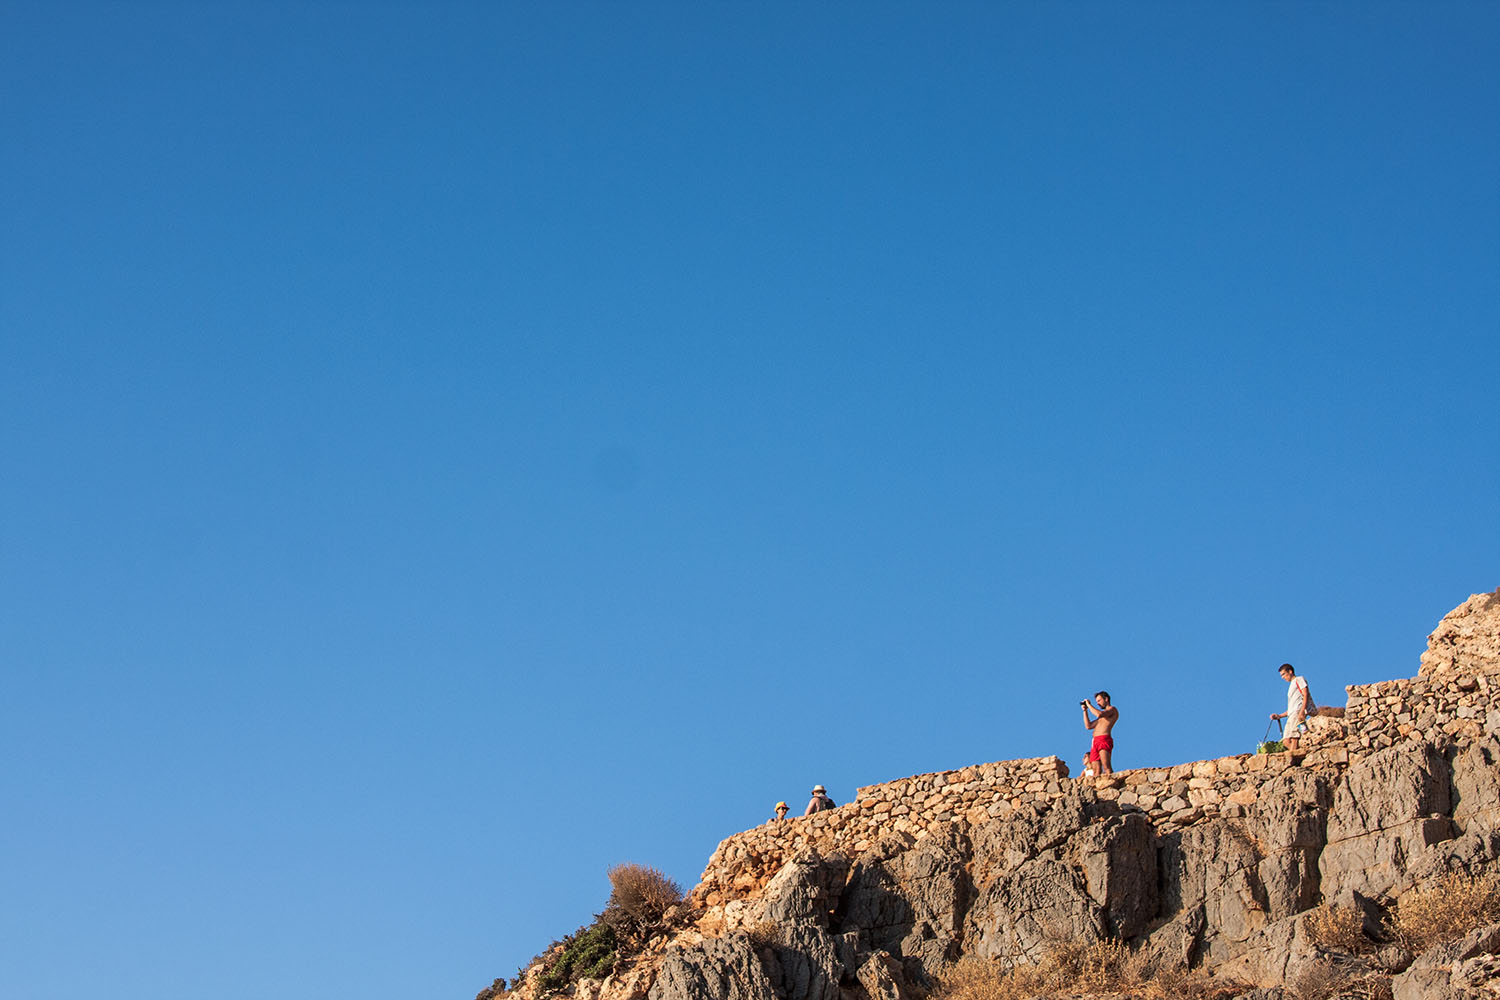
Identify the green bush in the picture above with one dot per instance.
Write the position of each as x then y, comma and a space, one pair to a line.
639, 899
587, 954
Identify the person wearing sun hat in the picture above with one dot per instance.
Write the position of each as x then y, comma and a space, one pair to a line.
819, 801
781, 811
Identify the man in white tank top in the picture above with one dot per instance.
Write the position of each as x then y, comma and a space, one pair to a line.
1298, 705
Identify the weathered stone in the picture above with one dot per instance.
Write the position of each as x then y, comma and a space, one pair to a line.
806, 889
807, 965
1466, 641
912, 906
1276, 954
1118, 860
1175, 944
883, 978
1476, 786
715, 969
1023, 914
1213, 866
1381, 818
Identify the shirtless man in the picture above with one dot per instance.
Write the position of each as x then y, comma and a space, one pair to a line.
1101, 719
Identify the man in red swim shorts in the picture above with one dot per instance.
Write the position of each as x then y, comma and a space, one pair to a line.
1101, 719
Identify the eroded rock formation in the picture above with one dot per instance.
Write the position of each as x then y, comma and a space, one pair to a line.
1214, 864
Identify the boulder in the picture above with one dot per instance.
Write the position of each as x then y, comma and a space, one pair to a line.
1453, 971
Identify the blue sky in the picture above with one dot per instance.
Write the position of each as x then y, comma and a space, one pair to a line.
452, 449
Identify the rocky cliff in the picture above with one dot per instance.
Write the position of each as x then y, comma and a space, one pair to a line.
1227, 866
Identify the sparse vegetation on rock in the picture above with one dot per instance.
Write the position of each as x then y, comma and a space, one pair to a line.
1446, 911
1101, 968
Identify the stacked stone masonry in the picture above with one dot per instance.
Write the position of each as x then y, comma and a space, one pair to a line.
1455, 707
1434, 708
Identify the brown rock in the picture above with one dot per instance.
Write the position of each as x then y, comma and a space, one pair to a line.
1466, 641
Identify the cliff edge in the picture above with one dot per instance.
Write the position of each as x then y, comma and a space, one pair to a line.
1271, 876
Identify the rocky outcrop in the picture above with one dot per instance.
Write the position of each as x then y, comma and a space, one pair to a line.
1228, 892
1212, 864
1466, 641
714, 969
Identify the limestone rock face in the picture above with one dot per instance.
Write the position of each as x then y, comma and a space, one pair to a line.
717, 969
806, 889
1081, 872
1210, 873
1389, 808
804, 963
1466, 641
1290, 824
1476, 786
1023, 914
911, 905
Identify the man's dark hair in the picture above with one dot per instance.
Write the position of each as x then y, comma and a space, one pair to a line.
1103, 694
1286, 666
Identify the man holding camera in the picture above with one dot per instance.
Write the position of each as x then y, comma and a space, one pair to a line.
1101, 719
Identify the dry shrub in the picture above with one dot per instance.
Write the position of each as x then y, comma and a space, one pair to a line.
1318, 981
642, 892
1100, 967
763, 934
1447, 911
1340, 928
1326, 981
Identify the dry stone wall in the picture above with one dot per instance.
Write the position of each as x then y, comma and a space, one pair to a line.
1442, 707
927, 805
914, 807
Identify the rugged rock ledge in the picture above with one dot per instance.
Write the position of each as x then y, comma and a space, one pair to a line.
1213, 865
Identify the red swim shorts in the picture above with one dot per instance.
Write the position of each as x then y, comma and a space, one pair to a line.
1101, 743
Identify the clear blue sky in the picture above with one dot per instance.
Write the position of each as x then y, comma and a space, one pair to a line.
450, 449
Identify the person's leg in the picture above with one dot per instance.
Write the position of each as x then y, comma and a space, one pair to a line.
1291, 742
1104, 766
